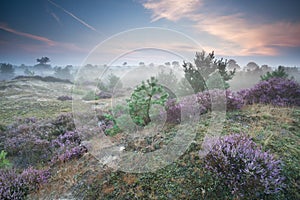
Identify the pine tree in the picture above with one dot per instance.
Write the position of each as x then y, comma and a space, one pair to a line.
198, 74
279, 73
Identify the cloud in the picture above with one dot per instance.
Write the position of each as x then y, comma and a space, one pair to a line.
172, 10
75, 17
31, 36
260, 39
35, 48
238, 34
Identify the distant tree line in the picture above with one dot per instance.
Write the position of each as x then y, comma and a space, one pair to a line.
200, 75
42, 68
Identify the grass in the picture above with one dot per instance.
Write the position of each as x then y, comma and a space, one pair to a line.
276, 129
27, 98
10, 110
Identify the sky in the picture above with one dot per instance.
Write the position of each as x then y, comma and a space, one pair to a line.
114, 31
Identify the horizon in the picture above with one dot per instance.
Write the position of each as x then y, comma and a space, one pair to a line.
262, 32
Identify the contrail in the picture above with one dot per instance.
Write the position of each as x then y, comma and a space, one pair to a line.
75, 17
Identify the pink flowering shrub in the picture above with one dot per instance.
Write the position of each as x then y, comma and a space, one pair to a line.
32, 142
67, 146
276, 91
243, 168
15, 186
201, 103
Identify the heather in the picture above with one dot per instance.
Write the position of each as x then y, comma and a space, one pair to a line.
30, 141
67, 146
188, 173
257, 140
30, 144
275, 91
16, 185
242, 167
259, 161
201, 103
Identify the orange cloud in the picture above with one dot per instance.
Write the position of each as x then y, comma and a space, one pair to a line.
31, 36
261, 39
239, 35
49, 43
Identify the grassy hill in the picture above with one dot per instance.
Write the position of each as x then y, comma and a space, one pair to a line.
275, 129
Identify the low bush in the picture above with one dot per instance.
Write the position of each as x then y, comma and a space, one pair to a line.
108, 124
242, 168
28, 149
90, 96
4, 162
15, 186
64, 98
173, 111
110, 83
275, 91
201, 103
67, 146
28, 142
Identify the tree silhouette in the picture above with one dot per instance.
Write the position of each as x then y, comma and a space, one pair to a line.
266, 68
231, 64
167, 63
175, 63
42, 65
6, 70
43, 60
251, 66
63, 73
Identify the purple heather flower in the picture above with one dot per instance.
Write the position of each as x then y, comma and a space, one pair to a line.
276, 91
243, 166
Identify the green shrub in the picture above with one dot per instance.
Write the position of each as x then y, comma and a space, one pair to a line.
110, 84
143, 97
114, 82
112, 128
89, 96
3, 161
278, 73
108, 124
102, 86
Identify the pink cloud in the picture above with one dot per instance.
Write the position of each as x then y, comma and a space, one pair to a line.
171, 9
239, 35
261, 39
48, 44
28, 35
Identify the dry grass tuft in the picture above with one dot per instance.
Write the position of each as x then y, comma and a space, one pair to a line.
129, 179
280, 114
